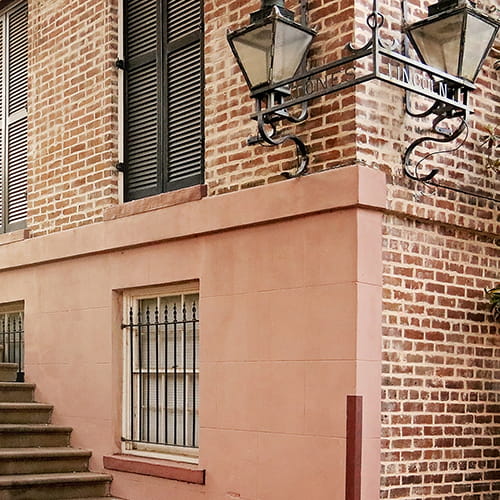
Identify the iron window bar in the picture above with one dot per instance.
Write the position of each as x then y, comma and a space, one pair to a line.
146, 331
12, 342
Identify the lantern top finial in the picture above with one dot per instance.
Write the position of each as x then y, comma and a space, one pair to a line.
267, 8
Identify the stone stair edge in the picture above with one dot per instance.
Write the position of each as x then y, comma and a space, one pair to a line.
43, 452
34, 428
25, 406
23, 385
53, 478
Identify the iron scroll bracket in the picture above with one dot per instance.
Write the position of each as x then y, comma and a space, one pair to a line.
376, 59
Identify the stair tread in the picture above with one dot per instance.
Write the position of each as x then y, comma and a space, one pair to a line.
34, 428
53, 477
23, 385
62, 451
8, 365
24, 406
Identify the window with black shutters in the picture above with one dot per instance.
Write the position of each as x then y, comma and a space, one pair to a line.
13, 116
163, 107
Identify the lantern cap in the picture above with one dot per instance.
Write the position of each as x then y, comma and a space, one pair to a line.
445, 5
270, 7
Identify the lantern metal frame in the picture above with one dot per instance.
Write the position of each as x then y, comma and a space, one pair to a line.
288, 100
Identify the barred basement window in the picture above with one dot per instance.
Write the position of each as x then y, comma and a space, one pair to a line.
13, 116
163, 108
161, 338
12, 336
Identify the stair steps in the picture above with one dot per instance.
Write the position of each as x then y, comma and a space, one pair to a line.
54, 486
36, 460
8, 372
18, 392
43, 460
33, 435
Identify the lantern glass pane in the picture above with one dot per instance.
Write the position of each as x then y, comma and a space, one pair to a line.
439, 42
291, 44
254, 49
478, 37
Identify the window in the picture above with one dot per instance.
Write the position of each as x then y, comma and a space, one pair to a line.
161, 395
13, 116
12, 336
163, 126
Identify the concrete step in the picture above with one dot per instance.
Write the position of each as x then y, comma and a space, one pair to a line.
25, 413
8, 372
33, 435
55, 486
43, 460
16, 392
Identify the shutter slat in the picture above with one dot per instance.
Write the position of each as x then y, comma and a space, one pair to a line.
142, 137
18, 58
185, 125
183, 17
141, 27
142, 82
17, 171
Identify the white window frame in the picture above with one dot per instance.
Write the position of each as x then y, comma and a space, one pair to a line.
131, 298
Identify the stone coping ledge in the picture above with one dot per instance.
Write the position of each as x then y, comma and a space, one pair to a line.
344, 188
166, 469
21, 234
164, 200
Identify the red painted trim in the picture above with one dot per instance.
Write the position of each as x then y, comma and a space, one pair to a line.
156, 468
354, 437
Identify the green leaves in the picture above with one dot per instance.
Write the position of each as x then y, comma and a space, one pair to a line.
494, 297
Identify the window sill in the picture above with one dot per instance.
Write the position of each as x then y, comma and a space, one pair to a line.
166, 469
20, 235
157, 202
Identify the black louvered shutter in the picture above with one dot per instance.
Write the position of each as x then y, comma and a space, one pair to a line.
184, 93
142, 101
13, 117
163, 101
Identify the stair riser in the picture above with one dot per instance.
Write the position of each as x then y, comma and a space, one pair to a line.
16, 395
43, 466
35, 440
55, 491
8, 374
25, 416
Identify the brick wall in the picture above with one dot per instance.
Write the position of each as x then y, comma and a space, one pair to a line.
329, 132
440, 363
72, 113
440, 389
441, 348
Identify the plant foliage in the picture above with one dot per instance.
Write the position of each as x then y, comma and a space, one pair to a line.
494, 297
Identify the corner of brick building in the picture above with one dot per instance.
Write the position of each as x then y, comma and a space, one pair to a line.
440, 251
440, 247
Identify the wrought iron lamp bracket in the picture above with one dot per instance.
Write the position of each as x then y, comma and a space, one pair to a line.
376, 59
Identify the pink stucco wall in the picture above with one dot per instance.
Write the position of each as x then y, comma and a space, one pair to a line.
290, 309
